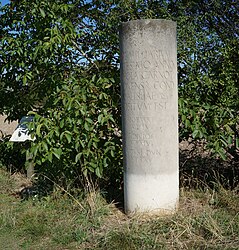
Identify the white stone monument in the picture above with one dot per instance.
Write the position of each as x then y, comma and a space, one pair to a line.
148, 54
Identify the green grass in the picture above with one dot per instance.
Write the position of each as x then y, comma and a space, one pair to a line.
207, 219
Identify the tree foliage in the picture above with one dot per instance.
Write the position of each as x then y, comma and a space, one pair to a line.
77, 135
53, 47
208, 77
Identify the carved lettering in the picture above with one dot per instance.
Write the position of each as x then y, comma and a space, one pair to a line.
144, 153
145, 106
139, 94
149, 79
145, 136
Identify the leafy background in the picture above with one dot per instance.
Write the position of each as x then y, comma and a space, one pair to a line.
60, 62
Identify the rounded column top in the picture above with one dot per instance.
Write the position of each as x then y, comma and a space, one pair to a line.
147, 23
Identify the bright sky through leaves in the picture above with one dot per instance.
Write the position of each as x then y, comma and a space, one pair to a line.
4, 2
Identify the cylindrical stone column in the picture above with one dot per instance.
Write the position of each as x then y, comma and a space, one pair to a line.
148, 54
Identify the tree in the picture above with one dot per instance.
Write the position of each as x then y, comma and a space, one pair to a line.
34, 53
48, 47
207, 61
208, 77
47, 68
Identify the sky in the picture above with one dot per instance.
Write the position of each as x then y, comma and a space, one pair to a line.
3, 2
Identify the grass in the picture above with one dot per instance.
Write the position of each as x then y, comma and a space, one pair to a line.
208, 218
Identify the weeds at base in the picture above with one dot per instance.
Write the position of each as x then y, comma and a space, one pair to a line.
207, 219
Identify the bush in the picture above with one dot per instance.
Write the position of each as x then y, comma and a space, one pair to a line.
78, 135
12, 155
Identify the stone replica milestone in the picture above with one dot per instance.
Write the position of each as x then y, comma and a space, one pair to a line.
150, 115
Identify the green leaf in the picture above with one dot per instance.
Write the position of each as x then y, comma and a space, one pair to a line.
44, 144
195, 133
229, 140
39, 162
108, 85
24, 80
82, 143
201, 135
91, 169
224, 142
89, 120
222, 154
217, 146
89, 143
97, 172
93, 78
237, 142
42, 12
62, 123
38, 130
86, 126
93, 164
187, 124
31, 113
112, 153
49, 157
78, 156
100, 118
34, 150
57, 152
68, 136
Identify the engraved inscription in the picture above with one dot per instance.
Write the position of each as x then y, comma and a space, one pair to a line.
148, 68
148, 86
149, 80
144, 106
142, 146
143, 154
141, 123
144, 139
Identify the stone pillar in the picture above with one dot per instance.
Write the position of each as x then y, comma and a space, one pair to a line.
148, 54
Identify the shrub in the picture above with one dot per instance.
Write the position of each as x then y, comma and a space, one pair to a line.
78, 136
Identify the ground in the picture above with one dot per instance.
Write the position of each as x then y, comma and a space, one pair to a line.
207, 219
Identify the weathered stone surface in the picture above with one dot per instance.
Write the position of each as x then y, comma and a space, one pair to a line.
149, 114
